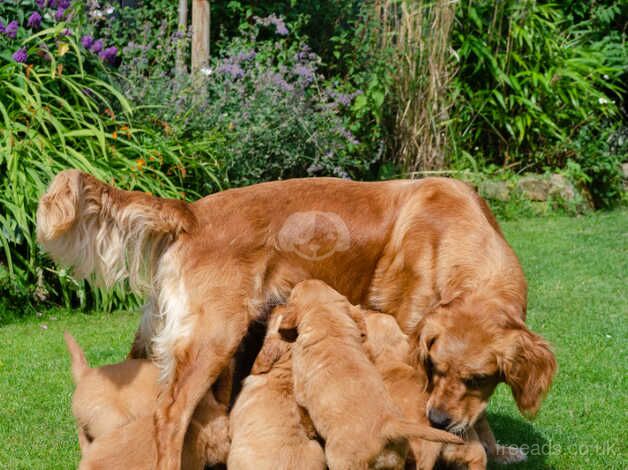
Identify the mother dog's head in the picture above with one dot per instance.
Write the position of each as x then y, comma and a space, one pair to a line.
467, 352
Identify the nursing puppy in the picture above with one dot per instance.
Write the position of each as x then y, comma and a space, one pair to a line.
389, 349
340, 388
265, 423
113, 407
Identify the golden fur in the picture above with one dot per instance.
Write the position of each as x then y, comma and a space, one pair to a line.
340, 388
389, 349
113, 402
266, 423
407, 248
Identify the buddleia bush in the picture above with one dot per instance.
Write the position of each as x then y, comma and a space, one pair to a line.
261, 104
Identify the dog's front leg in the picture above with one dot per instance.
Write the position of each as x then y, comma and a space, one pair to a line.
198, 360
496, 452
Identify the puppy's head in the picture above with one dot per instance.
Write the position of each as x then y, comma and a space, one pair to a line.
333, 310
466, 354
385, 340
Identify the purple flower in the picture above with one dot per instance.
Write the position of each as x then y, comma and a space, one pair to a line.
20, 55
87, 41
96, 46
34, 21
281, 29
11, 29
63, 3
67, 32
42, 3
109, 55
232, 69
60, 14
278, 80
245, 56
304, 72
278, 23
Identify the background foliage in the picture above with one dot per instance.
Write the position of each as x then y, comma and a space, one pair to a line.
361, 89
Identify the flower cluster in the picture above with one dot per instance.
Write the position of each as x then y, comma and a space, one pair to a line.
280, 27
97, 46
57, 10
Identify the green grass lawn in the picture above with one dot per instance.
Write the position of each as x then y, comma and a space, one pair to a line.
577, 270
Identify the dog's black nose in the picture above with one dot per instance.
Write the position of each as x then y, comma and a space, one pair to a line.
439, 419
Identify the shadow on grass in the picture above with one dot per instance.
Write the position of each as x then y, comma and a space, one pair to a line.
521, 433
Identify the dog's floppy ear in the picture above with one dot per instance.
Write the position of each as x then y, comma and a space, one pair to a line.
528, 367
421, 341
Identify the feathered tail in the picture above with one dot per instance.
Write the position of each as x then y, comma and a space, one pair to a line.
107, 233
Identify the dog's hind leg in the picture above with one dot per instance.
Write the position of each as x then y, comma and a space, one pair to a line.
217, 328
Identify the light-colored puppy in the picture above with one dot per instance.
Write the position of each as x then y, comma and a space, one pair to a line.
389, 349
266, 423
113, 407
341, 389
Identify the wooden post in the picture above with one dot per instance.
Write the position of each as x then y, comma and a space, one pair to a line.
200, 34
182, 28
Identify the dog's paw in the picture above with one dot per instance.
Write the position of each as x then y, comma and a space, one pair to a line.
508, 454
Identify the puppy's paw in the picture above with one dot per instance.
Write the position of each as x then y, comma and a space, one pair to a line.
508, 454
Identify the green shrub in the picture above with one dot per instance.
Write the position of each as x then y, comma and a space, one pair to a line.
526, 84
262, 107
598, 155
54, 115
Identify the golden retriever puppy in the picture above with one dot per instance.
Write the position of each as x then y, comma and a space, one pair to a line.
113, 402
265, 423
389, 350
341, 389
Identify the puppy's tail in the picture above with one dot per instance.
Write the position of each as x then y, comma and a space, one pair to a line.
107, 233
77, 357
397, 428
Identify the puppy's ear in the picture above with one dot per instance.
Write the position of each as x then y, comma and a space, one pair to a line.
528, 367
290, 320
274, 347
358, 316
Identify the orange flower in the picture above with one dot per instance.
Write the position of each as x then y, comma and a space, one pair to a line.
140, 163
115, 134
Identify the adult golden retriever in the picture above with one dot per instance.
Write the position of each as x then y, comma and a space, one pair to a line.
427, 251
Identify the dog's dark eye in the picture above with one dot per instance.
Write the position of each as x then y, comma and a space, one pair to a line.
476, 381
